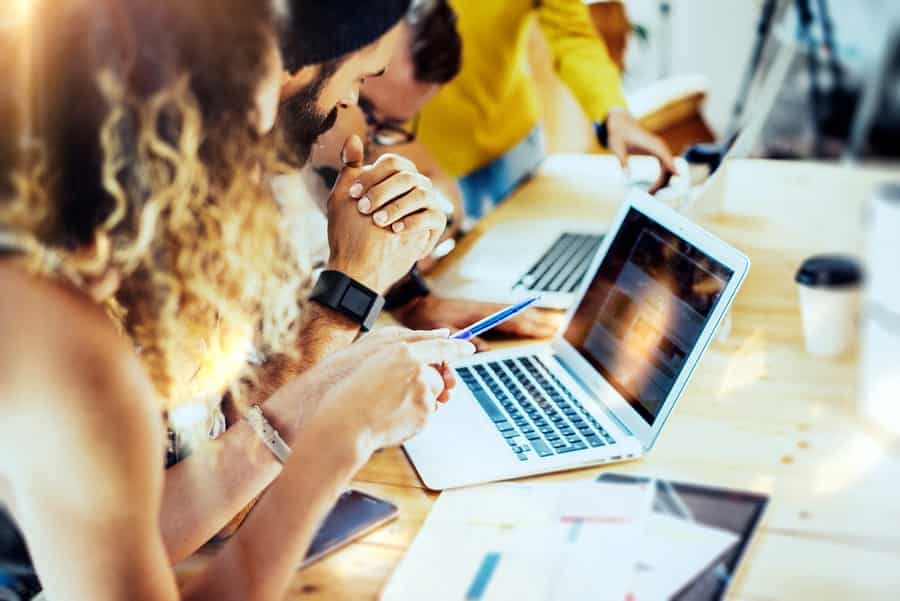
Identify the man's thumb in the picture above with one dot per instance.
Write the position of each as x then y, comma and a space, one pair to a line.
353, 153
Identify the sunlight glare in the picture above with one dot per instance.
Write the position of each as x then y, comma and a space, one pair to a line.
748, 365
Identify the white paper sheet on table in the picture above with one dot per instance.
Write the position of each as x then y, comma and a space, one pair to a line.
526, 541
672, 553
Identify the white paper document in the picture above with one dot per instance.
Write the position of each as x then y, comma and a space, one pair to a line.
527, 541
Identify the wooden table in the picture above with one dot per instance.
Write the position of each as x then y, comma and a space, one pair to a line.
759, 414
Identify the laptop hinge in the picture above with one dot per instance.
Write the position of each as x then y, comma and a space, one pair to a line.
590, 392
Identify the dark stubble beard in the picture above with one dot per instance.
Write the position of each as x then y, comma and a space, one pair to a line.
301, 123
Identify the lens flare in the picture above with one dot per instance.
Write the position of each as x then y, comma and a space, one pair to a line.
15, 12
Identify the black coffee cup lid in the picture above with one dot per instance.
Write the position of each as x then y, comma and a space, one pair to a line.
830, 271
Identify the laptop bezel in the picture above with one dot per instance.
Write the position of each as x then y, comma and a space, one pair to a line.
603, 391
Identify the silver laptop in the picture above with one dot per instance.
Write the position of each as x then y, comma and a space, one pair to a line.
513, 261
603, 389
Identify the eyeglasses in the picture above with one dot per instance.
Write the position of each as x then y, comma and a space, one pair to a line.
387, 132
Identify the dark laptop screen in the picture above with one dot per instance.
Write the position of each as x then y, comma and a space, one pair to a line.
645, 309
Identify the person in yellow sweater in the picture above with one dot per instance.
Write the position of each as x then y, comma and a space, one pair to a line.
483, 126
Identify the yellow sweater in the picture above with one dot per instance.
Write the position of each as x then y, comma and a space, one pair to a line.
492, 103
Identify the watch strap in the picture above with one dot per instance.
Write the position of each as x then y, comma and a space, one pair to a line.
411, 287
348, 297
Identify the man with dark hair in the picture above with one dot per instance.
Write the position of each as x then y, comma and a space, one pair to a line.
429, 57
329, 50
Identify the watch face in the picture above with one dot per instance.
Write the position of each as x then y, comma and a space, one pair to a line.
357, 301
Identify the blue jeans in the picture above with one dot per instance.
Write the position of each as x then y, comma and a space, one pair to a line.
487, 187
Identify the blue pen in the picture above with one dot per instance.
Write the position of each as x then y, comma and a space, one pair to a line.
480, 327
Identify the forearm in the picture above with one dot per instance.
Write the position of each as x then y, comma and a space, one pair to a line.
258, 562
206, 490
322, 331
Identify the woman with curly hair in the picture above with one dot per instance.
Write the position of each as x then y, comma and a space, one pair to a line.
145, 275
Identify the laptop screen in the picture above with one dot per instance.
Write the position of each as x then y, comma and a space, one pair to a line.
645, 310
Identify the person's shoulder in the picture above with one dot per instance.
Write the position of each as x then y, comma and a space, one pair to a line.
67, 374
54, 339
36, 311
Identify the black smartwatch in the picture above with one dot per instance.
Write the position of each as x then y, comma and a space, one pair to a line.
348, 297
411, 287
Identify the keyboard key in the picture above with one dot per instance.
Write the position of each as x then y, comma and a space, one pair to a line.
595, 441
527, 430
553, 437
573, 438
532, 436
504, 426
487, 404
579, 446
559, 444
522, 457
541, 448
510, 434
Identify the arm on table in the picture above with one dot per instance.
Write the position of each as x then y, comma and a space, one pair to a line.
207, 489
401, 391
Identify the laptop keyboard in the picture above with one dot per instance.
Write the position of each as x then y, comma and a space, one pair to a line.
532, 409
563, 267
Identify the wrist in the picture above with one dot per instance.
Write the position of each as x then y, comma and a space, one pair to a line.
350, 443
413, 307
366, 277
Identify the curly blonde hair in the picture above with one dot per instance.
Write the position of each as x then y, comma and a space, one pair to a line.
161, 213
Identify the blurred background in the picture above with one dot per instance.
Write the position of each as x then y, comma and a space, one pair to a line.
695, 70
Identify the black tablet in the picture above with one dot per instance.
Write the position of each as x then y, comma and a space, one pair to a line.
735, 511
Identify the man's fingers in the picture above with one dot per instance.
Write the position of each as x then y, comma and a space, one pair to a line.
423, 221
386, 166
381, 198
435, 352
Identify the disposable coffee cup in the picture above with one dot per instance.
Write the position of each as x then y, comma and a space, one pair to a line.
829, 287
